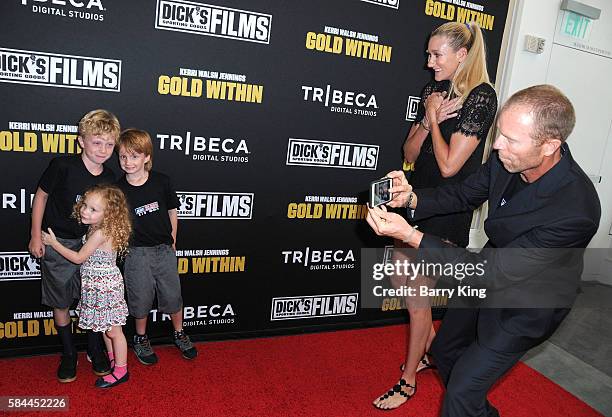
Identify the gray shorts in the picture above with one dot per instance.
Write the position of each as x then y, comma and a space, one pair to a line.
60, 278
149, 271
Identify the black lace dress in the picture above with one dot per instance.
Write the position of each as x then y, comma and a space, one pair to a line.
474, 119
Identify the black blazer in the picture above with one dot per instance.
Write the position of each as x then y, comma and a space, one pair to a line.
560, 210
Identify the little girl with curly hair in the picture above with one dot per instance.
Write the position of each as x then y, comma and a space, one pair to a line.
102, 307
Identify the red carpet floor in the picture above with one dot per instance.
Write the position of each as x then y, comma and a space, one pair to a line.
327, 374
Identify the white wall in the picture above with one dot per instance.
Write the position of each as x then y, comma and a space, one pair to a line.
587, 80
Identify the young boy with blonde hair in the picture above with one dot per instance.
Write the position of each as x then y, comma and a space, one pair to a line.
60, 187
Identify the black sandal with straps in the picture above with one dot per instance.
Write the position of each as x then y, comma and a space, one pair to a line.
424, 361
426, 364
398, 388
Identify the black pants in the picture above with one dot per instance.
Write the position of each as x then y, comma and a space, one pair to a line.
467, 368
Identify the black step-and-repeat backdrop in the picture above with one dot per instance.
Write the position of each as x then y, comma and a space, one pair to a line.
271, 117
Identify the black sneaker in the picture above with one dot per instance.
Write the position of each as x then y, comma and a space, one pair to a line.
99, 363
182, 341
67, 368
144, 351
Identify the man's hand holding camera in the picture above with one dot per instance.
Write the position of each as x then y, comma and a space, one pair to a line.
385, 223
401, 190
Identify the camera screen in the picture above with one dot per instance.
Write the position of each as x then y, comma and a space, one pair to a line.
380, 192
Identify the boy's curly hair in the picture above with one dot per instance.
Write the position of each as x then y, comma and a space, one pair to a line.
116, 223
99, 122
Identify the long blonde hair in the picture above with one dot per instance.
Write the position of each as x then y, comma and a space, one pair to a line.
116, 223
473, 70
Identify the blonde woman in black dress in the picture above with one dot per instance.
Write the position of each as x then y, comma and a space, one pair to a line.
444, 145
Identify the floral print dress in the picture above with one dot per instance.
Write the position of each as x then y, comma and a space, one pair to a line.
102, 304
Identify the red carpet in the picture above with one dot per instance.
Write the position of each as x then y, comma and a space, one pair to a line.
326, 374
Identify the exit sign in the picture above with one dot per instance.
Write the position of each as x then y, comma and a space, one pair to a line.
576, 26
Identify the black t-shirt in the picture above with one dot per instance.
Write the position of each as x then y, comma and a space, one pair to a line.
149, 204
65, 180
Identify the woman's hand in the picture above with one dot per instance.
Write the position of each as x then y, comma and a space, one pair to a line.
448, 109
438, 108
49, 238
432, 104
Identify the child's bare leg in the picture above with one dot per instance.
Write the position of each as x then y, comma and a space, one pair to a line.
177, 320
119, 348
141, 326
118, 345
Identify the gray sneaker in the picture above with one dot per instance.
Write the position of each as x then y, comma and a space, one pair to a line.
144, 351
182, 341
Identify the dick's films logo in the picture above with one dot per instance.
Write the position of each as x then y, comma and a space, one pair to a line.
215, 205
213, 20
314, 306
17, 266
320, 153
59, 70
394, 4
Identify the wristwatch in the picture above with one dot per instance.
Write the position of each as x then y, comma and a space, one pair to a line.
410, 197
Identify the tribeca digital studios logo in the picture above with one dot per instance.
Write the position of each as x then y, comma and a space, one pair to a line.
320, 259
212, 20
215, 205
70, 8
201, 315
59, 70
319, 153
314, 306
201, 148
21, 201
338, 101
412, 108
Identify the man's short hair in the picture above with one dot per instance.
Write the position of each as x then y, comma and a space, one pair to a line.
99, 122
553, 113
